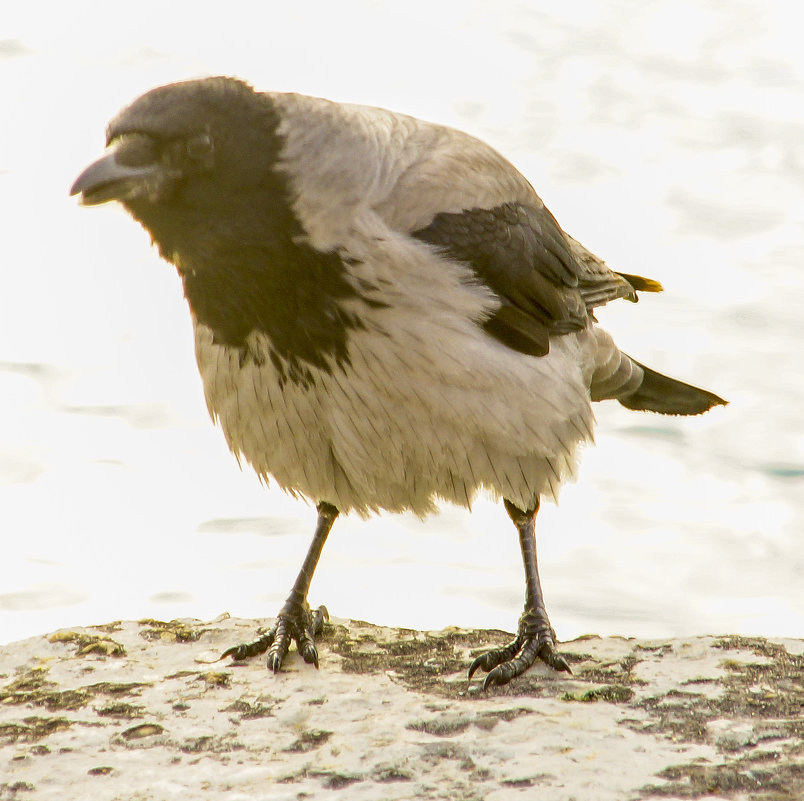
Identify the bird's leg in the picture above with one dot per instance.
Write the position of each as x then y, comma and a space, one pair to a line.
295, 621
535, 637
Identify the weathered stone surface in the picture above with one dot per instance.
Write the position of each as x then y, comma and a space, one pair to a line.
141, 710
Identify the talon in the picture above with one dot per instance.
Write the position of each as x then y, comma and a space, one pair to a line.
306, 645
551, 657
496, 656
286, 623
477, 663
494, 677
246, 649
237, 653
534, 641
482, 662
491, 659
309, 653
295, 623
275, 662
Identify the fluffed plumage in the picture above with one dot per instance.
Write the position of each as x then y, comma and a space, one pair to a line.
385, 312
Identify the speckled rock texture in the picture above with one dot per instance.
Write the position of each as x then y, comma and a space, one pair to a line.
142, 710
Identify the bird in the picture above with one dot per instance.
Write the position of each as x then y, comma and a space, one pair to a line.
386, 317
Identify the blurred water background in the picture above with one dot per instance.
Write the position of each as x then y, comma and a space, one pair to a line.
667, 136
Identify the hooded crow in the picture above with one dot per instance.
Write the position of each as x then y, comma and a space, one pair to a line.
385, 314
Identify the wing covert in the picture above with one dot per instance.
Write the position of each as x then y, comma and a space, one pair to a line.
520, 252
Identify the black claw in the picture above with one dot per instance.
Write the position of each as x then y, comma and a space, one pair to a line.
534, 641
246, 649
307, 648
309, 653
295, 623
284, 628
477, 663
554, 659
237, 652
496, 676
483, 662
495, 657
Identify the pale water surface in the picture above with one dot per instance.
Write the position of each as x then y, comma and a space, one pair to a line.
667, 136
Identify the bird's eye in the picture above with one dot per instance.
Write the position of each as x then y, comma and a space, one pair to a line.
199, 147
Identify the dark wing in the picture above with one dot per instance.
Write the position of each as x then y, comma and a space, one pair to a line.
547, 282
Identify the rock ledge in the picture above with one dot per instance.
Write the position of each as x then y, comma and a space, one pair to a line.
141, 710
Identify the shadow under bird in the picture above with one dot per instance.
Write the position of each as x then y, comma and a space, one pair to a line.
385, 314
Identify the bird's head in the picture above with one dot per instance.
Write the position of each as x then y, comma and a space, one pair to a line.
175, 139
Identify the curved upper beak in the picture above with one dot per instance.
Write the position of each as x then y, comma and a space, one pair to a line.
107, 179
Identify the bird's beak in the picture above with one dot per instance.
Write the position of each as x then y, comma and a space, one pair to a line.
107, 179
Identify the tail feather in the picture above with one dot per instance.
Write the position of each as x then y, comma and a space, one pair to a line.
665, 395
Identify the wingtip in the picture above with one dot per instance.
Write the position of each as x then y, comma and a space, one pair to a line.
642, 284
650, 285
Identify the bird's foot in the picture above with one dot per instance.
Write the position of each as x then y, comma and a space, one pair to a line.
297, 623
535, 639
